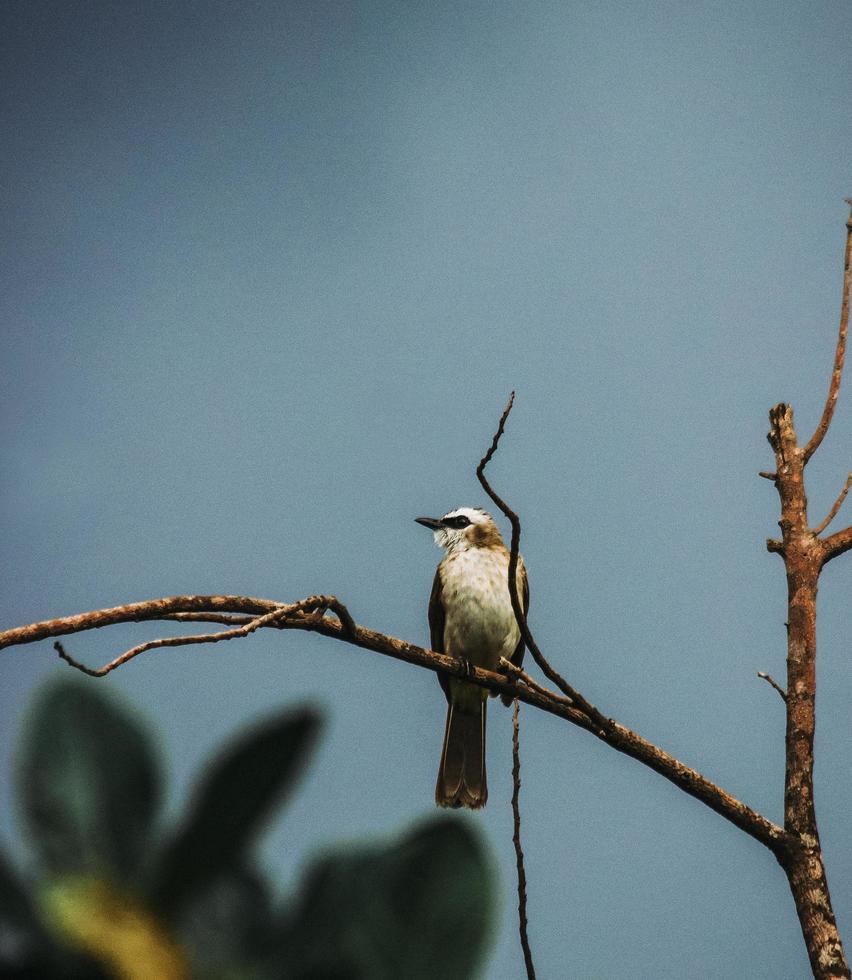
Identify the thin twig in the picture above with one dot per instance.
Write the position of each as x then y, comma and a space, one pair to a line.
617, 736
228, 619
585, 706
836, 506
313, 604
522, 675
169, 641
323, 604
328, 603
839, 353
766, 677
516, 840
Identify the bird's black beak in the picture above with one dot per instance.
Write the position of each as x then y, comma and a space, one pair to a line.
429, 522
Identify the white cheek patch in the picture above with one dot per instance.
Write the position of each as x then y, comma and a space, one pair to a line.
442, 538
452, 539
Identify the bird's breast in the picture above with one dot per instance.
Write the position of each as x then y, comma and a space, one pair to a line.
480, 624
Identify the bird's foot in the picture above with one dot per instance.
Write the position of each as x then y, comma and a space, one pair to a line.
467, 667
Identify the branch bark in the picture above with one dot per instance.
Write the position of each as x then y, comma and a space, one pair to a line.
837, 544
585, 706
839, 353
835, 507
617, 736
805, 555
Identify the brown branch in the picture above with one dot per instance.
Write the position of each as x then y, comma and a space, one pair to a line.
170, 641
835, 506
839, 354
317, 604
589, 709
769, 680
837, 544
516, 840
804, 557
137, 612
617, 736
199, 617
522, 675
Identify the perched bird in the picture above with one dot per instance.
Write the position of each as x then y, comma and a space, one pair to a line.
471, 618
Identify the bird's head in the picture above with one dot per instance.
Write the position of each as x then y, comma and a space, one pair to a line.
463, 528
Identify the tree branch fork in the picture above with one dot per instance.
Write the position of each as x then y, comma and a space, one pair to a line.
796, 845
245, 614
805, 554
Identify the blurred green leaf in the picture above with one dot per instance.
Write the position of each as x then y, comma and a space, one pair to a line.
20, 934
420, 908
229, 926
241, 788
88, 782
15, 903
26, 950
93, 916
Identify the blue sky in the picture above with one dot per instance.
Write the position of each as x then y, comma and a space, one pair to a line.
270, 272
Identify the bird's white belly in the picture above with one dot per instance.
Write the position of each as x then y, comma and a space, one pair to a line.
480, 625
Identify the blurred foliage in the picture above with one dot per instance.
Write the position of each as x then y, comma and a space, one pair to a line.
116, 896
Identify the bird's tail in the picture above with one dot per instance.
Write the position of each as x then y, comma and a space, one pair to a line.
461, 775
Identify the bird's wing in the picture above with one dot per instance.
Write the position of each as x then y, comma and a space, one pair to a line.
437, 618
523, 585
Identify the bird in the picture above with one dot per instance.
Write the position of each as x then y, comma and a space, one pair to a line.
471, 618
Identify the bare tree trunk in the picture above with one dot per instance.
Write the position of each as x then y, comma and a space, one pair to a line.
805, 554
806, 875
803, 863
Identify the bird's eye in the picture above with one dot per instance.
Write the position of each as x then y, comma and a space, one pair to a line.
460, 521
